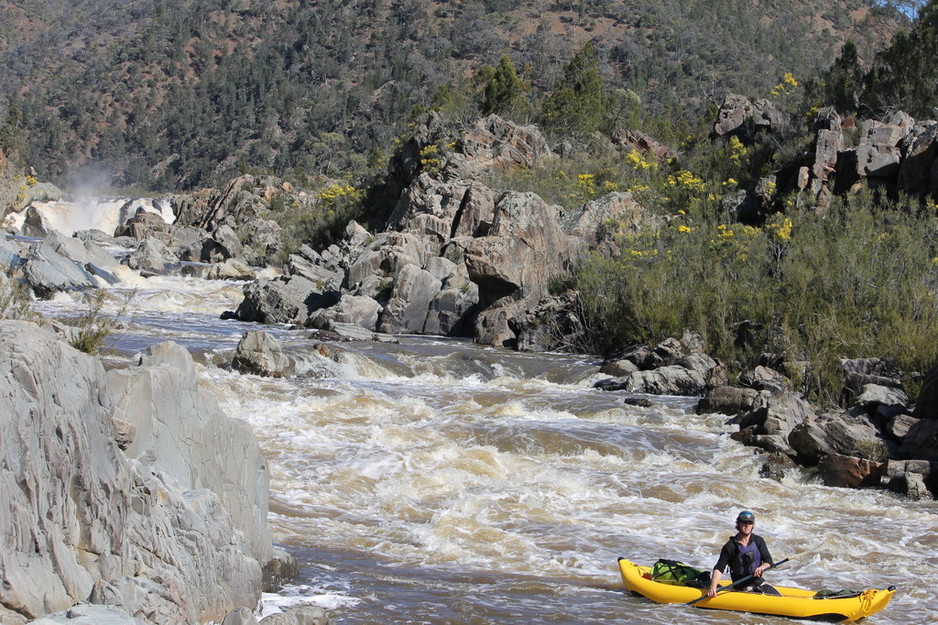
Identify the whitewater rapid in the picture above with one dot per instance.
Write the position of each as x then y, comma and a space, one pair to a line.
436, 481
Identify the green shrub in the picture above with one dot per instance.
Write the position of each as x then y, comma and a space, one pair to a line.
93, 327
856, 281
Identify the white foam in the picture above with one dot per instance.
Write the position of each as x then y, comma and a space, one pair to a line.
69, 217
296, 596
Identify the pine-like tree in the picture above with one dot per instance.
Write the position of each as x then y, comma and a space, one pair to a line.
905, 75
578, 100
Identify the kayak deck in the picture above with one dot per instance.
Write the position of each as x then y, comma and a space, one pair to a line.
793, 602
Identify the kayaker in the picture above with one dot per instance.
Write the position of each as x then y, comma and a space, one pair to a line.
746, 554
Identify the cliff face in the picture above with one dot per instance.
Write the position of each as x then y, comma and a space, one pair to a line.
113, 491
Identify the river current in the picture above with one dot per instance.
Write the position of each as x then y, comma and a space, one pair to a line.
435, 481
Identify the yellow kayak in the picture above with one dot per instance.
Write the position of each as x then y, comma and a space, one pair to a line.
793, 602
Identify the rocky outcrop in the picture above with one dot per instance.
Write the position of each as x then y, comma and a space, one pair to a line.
453, 257
673, 367
739, 116
128, 489
877, 441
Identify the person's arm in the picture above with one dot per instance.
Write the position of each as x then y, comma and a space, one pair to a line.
714, 582
718, 569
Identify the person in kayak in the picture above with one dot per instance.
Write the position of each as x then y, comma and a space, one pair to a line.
746, 554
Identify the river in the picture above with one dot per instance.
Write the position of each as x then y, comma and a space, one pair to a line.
438, 482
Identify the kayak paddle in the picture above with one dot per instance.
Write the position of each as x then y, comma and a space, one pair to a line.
737, 582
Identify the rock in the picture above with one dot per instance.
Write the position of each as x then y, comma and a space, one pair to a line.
916, 479
492, 325
453, 311
640, 355
310, 265
90, 615
766, 379
878, 153
828, 145
777, 415
144, 224
524, 249
728, 400
227, 245
302, 615
495, 142
281, 569
669, 380
899, 425
172, 531
443, 210
927, 405
150, 257
352, 332
261, 354
735, 111
698, 362
407, 310
618, 368
839, 434
359, 310
10, 251
850, 472
240, 616
776, 466
641, 402
85, 254
593, 226
767, 116
920, 147
283, 300
644, 144
230, 269
167, 437
553, 325
915, 488
921, 441
47, 272
882, 402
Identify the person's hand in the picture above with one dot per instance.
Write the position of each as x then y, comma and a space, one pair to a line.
760, 569
712, 592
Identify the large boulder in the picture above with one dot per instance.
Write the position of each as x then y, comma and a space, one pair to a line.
182, 439
443, 210
850, 471
260, 353
926, 407
553, 325
407, 311
667, 380
525, 247
85, 254
48, 272
172, 530
283, 300
837, 433
729, 400
495, 142
921, 441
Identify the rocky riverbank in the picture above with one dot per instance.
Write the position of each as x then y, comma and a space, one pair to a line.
879, 438
129, 496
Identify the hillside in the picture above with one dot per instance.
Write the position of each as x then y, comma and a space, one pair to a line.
175, 94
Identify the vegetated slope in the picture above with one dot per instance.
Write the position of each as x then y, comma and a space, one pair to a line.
177, 93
